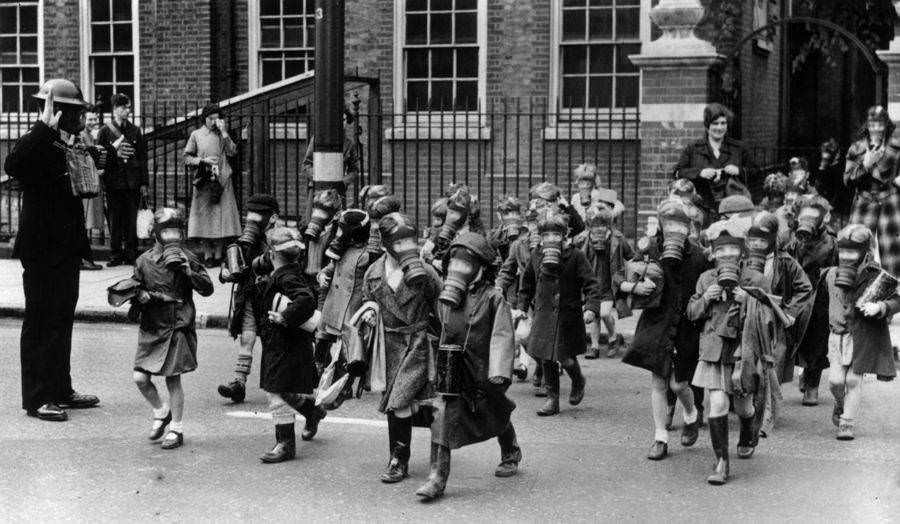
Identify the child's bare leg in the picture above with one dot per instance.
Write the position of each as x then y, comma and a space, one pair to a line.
176, 397
148, 390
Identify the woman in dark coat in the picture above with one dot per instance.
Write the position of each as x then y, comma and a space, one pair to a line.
717, 165
476, 317
283, 302
556, 278
871, 170
670, 354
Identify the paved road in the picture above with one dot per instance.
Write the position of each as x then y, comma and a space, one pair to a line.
585, 465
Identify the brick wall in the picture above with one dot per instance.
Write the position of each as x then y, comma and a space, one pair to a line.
760, 89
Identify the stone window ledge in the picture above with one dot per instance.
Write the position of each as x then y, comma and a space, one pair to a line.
585, 130
478, 132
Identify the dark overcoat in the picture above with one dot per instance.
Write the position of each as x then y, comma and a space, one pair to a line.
557, 331
697, 156
483, 326
789, 281
244, 288
618, 252
128, 174
287, 365
509, 278
812, 351
343, 295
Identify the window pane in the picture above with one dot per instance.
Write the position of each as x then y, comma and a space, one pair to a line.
466, 4
122, 37
417, 63
441, 5
599, 91
627, 23
28, 50
270, 33
8, 76
102, 94
271, 71
416, 5
311, 35
103, 69
310, 7
466, 62
8, 54
574, 59
623, 63
442, 95
8, 19
269, 7
573, 3
292, 7
30, 74
124, 69
28, 20
602, 59
466, 28
294, 66
627, 91
10, 96
441, 63
416, 29
595, 3
416, 95
466, 96
573, 92
293, 32
99, 10
121, 9
573, 25
621, 3
601, 23
100, 38
441, 29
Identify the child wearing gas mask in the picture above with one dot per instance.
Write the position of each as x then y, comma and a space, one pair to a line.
545, 194
814, 247
474, 364
168, 274
460, 215
586, 184
399, 300
512, 223
379, 203
556, 278
283, 302
606, 250
262, 213
326, 206
341, 280
669, 354
862, 300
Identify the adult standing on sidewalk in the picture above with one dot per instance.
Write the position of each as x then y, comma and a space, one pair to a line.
94, 212
51, 244
126, 180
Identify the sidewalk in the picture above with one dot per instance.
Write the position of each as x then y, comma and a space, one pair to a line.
212, 311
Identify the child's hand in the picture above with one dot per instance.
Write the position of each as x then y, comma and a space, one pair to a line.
143, 297
713, 292
276, 318
589, 317
644, 288
872, 309
740, 296
369, 318
517, 313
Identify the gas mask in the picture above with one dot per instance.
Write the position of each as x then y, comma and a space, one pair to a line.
758, 248
584, 192
809, 224
254, 228
457, 213
353, 230
551, 251
463, 269
511, 224
399, 238
170, 238
326, 204
727, 254
534, 237
675, 229
850, 257
599, 236
378, 209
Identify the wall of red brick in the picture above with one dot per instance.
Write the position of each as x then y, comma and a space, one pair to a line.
760, 89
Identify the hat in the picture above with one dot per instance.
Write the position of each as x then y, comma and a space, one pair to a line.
168, 218
764, 225
477, 244
122, 291
735, 204
64, 92
550, 219
354, 218
262, 203
382, 206
856, 236
736, 227
210, 109
284, 239
607, 196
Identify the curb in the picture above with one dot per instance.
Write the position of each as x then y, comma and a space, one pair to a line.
116, 316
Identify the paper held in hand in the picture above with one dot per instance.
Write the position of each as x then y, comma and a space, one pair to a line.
771, 301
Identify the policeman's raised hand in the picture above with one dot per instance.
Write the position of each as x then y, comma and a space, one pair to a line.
47, 115
589, 317
713, 292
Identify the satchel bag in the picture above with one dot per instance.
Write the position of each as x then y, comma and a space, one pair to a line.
83, 174
144, 221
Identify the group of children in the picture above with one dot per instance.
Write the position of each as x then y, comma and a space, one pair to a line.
441, 327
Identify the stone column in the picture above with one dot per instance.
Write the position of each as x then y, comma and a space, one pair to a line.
891, 57
674, 90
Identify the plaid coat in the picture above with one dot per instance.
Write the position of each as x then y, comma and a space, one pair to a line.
877, 202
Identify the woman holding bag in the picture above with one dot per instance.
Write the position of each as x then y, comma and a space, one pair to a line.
214, 213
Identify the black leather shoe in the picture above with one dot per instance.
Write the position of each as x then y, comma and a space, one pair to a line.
615, 345
689, 434
592, 354
87, 265
78, 401
233, 390
156, 431
173, 440
396, 471
658, 450
50, 412
115, 262
312, 423
577, 393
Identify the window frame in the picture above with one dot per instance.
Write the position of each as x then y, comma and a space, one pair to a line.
85, 41
556, 112
254, 44
447, 119
22, 115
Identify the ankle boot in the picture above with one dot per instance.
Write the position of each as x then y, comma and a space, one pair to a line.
578, 383
437, 478
551, 405
285, 445
718, 433
811, 396
748, 438
510, 453
398, 467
